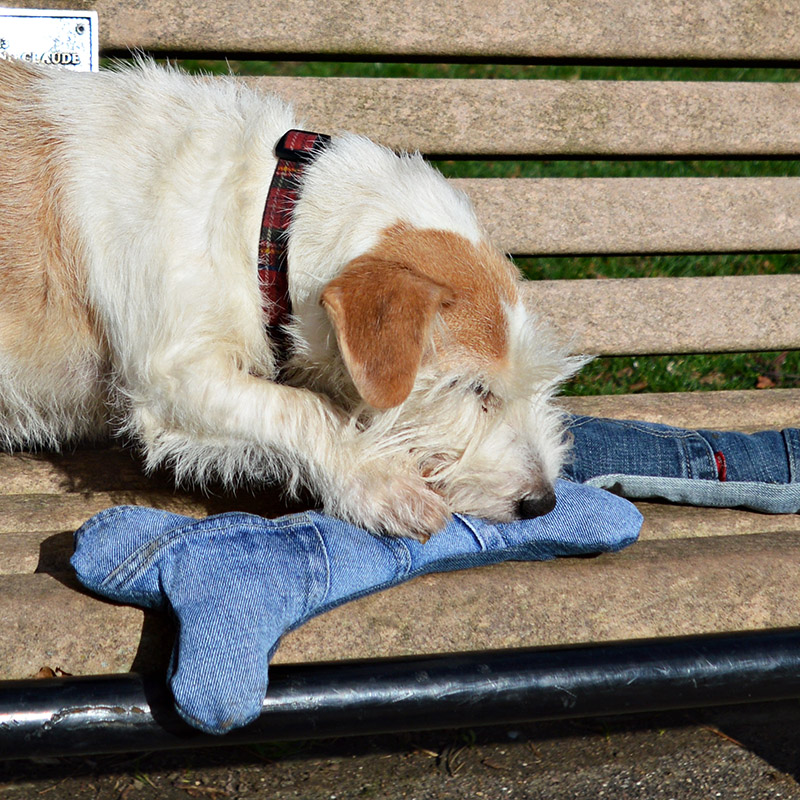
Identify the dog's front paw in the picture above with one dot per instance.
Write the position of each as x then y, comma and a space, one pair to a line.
396, 505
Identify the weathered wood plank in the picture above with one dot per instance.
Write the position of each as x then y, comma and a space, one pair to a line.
649, 29
663, 521
35, 551
662, 588
522, 118
82, 470
618, 215
49, 621
25, 513
482, 118
637, 316
98, 476
669, 588
731, 410
49, 551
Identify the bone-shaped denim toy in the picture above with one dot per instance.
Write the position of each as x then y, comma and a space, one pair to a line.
237, 582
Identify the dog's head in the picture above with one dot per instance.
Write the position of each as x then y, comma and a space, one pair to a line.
407, 317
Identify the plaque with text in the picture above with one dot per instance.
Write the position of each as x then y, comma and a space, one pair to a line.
66, 39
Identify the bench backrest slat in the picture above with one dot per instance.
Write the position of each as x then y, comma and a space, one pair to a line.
569, 216
525, 29
527, 119
539, 118
673, 315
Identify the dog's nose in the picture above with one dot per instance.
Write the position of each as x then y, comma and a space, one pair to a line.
530, 507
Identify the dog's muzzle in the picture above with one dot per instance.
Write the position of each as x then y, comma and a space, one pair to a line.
530, 507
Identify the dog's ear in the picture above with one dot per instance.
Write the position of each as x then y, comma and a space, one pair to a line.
382, 313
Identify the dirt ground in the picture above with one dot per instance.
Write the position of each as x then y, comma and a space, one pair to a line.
746, 752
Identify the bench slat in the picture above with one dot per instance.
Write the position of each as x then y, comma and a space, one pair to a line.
78, 471
656, 588
521, 118
733, 410
112, 476
21, 513
649, 29
572, 216
668, 588
670, 522
53, 621
49, 550
38, 551
115, 473
672, 315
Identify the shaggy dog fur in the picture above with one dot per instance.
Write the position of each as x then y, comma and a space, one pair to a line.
419, 385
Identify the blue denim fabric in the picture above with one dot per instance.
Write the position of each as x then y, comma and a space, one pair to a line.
645, 460
236, 582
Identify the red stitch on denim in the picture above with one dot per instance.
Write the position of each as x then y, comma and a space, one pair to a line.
722, 467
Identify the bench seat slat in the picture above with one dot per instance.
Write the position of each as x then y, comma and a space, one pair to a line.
657, 588
605, 216
51, 621
649, 29
20, 513
30, 512
48, 474
84, 469
635, 316
733, 409
666, 588
482, 118
121, 477
80, 471
49, 551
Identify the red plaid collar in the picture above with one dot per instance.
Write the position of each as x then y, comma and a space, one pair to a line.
294, 151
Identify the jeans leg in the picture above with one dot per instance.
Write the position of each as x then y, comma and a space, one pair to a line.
698, 467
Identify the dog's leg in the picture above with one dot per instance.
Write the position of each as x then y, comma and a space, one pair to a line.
219, 419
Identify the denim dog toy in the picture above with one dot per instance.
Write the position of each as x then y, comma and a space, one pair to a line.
237, 582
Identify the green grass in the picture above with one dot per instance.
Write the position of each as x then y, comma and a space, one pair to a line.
625, 374
673, 266
672, 373
578, 168
325, 69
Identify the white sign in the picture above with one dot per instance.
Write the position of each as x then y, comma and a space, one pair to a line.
63, 38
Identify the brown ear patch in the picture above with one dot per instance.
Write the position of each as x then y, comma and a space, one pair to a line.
382, 312
474, 333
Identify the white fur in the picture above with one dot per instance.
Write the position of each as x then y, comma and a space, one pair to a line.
163, 179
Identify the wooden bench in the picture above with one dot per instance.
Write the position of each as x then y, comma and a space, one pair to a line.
695, 571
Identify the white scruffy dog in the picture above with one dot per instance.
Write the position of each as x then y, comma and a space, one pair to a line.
419, 384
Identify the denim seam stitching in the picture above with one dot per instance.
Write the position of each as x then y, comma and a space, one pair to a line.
669, 433
469, 523
321, 596
145, 554
708, 455
791, 455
